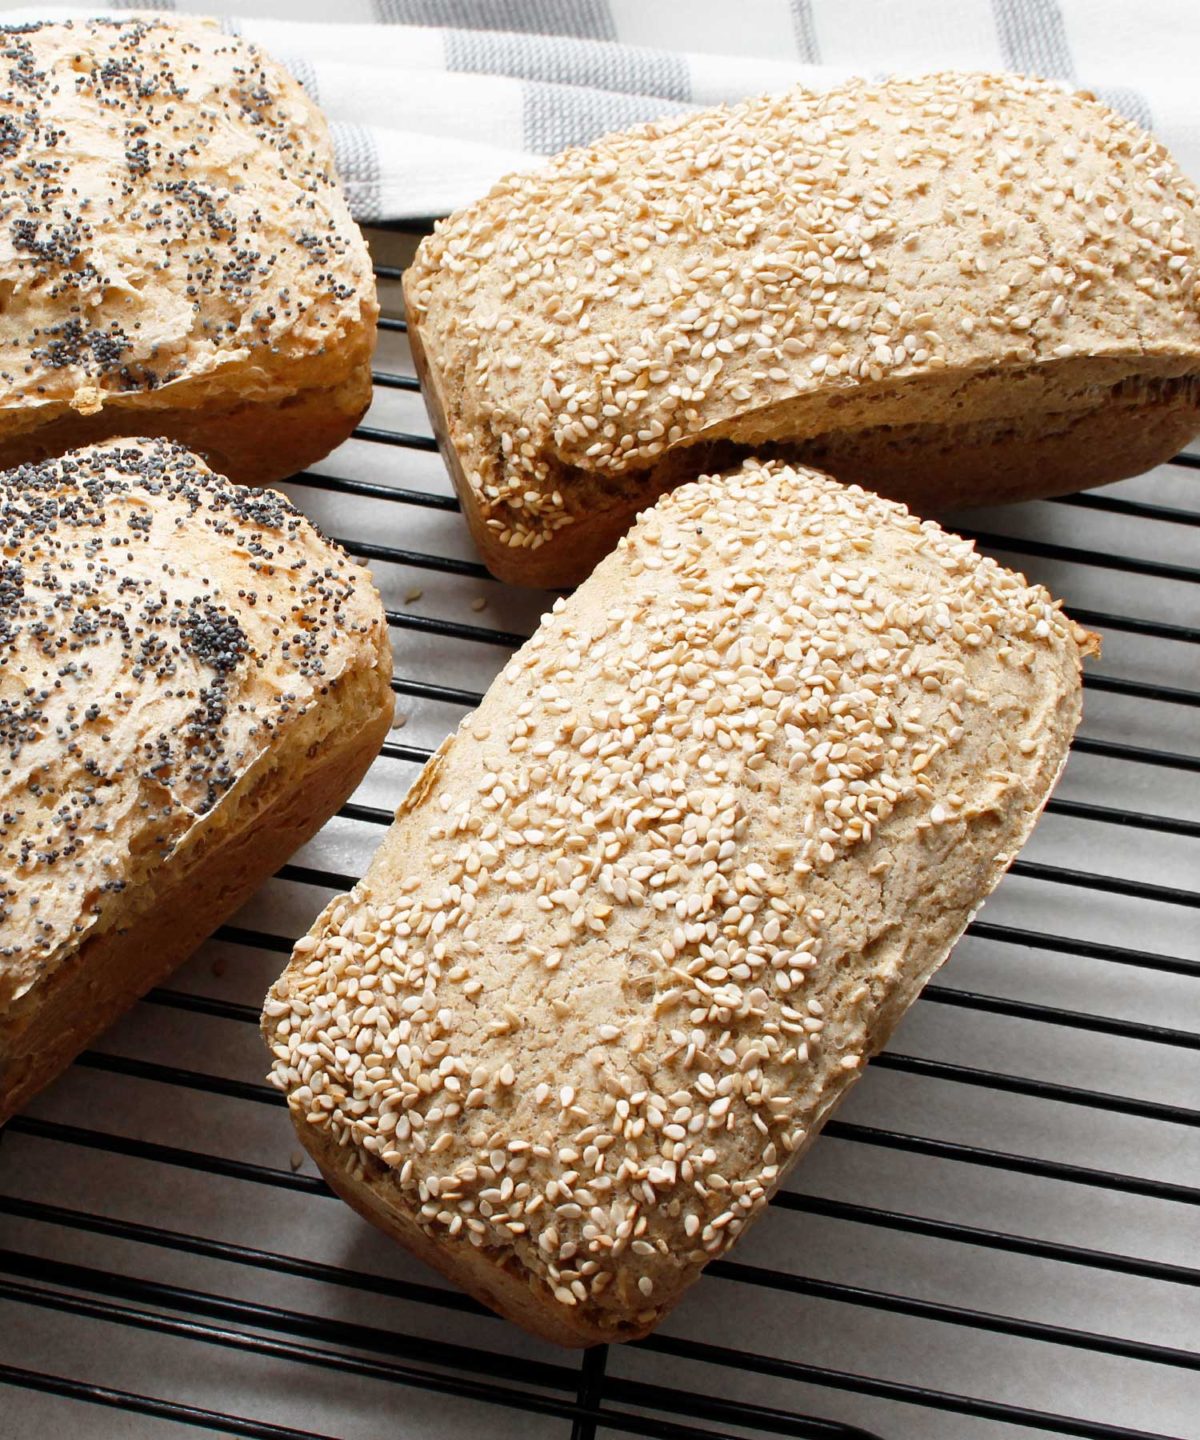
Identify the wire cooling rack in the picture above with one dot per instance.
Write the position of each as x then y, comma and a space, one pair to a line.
997, 1237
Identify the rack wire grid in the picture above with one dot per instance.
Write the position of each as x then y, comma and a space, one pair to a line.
996, 1237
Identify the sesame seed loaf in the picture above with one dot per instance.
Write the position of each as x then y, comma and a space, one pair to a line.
643, 918
191, 681
176, 255
955, 290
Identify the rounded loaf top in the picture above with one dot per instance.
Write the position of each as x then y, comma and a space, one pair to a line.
168, 206
641, 921
665, 282
159, 626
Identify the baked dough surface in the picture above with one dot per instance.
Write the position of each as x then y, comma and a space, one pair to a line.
953, 290
177, 653
644, 917
176, 254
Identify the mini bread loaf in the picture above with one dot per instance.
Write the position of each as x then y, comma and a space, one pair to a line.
176, 257
955, 290
191, 681
641, 921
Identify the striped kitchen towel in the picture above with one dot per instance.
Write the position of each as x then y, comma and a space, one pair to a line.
431, 101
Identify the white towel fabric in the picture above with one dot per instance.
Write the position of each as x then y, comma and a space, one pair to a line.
431, 101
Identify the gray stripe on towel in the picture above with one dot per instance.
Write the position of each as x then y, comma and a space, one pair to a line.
1033, 38
303, 71
560, 115
562, 60
804, 24
1130, 103
357, 160
588, 19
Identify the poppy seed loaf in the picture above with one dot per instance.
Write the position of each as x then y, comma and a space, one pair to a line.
954, 290
642, 920
176, 254
191, 681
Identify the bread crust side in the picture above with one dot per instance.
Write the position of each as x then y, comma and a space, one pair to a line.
557, 565
255, 442
489, 1278
930, 467
274, 811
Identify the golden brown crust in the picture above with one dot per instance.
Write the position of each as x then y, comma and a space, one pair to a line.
491, 1279
177, 257
933, 468
939, 262
184, 903
178, 653
645, 916
253, 442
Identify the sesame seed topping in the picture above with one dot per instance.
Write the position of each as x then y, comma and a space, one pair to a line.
706, 283
737, 800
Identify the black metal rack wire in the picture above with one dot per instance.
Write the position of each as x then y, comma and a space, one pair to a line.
176, 1311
